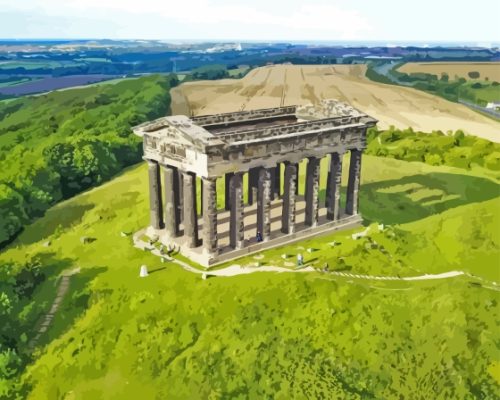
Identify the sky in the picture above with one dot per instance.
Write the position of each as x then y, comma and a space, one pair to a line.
255, 20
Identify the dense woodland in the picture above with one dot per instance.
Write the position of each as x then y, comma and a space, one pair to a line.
18, 315
58, 144
454, 149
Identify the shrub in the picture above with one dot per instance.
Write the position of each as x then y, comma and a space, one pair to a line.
458, 157
492, 161
433, 159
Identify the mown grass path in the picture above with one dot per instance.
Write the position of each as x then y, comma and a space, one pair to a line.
236, 269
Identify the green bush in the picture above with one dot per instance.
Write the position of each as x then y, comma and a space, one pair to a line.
211, 72
433, 159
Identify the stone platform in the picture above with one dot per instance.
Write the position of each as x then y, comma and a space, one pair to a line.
278, 238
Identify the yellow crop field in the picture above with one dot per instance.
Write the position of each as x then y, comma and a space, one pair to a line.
490, 70
279, 85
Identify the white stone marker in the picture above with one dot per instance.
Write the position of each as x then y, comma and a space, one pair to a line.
144, 271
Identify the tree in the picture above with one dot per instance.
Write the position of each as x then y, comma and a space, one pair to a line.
12, 213
474, 74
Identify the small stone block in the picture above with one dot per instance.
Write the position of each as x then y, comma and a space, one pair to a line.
144, 271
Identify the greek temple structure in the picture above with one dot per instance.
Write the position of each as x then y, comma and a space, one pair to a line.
225, 185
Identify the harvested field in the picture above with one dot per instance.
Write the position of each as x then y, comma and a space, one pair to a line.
279, 85
490, 70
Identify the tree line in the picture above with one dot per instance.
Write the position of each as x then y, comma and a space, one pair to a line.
455, 149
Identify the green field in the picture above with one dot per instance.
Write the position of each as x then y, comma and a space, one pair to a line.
267, 335
35, 64
237, 71
480, 95
18, 81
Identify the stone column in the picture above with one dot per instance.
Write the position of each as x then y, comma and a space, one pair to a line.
288, 211
312, 191
272, 172
155, 207
253, 185
202, 207
210, 215
236, 226
264, 204
297, 179
171, 191
180, 209
277, 181
227, 191
333, 187
190, 217
352, 198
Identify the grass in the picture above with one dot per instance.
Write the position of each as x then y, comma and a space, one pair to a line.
28, 65
237, 71
174, 335
487, 93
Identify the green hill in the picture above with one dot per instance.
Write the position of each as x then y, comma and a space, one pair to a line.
267, 335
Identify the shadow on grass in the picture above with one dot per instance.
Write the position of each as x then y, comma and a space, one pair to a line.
414, 197
157, 270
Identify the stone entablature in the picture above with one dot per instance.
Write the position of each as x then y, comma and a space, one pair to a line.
258, 143
181, 142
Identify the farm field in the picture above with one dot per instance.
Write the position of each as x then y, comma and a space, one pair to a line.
46, 84
490, 70
36, 64
174, 335
274, 86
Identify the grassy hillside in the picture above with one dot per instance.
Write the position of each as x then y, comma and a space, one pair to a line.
58, 144
266, 335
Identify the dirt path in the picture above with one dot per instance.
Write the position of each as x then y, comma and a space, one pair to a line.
46, 320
